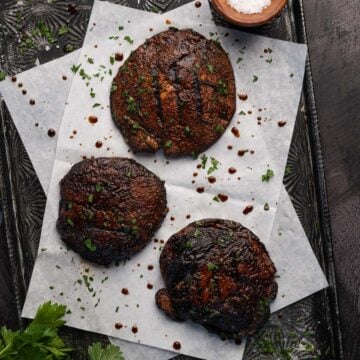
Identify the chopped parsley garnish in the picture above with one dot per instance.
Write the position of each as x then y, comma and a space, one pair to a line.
96, 105
121, 28
239, 59
129, 39
268, 176
291, 75
196, 233
242, 112
266, 207
132, 106
215, 198
168, 144
221, 87
92, 94
255, 78
68, 48
197, 66
189, 244
268, 61
113, 87
210, 68
70, 222
63, 30
187, 130
84, 75
287, 170
89, 245
90, 60
212, 267
204, 160
214, 165
90, 198
2, 76
135, 125
219, 128
99, 187
75, 68
112, 60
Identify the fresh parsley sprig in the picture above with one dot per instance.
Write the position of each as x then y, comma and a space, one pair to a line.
40, 339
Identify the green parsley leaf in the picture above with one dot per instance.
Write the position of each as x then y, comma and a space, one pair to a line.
268, 61
99, 187
110, 352
68, 48
239, 59
210, 68
266, 207
129, 39
219, 128
113, 87
121, 28
75, 68
255, 78
96, 105
204, 160
70, 222
266, 177
168, 144
2, 76
63, 30
215, 198
196, 233
212, 267
112, 60
242, 112
287, 170
92, 94
214, 165
89, 245
187, 130
90, 60
90, 198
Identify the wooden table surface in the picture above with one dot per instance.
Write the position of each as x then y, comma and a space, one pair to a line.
333, 29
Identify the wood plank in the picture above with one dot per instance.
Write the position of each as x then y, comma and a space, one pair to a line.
333, 29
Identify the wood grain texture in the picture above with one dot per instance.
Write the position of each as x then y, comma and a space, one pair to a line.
334, 44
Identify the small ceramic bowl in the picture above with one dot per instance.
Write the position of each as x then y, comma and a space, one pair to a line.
227, 12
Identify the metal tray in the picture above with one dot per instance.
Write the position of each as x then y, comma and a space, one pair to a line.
308, 329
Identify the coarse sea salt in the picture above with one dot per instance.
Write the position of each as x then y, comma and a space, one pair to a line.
249, 6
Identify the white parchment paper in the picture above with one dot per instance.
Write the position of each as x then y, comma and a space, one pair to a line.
291, 233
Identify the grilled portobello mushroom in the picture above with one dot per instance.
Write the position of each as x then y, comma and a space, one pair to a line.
176, 92
217, 273
110, 208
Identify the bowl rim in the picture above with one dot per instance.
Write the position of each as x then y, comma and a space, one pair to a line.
248, 20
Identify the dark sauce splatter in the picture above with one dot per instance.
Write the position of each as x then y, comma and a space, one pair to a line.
222, 197
64, 77
32, 102
198, 166
92, 119
195, 174
188, 216
134, 329
51, 132
125, 291
243, 97
20, 85
36, 124
232, 170
281, 123
119, 57
235, 131
150, 267
176, 345
249, 112
99, 144
118, 326
197, 4
230, 147
24, 92
242, 152
200, 190
150, 286
248, 209
13, 78
211, 179
172, 218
